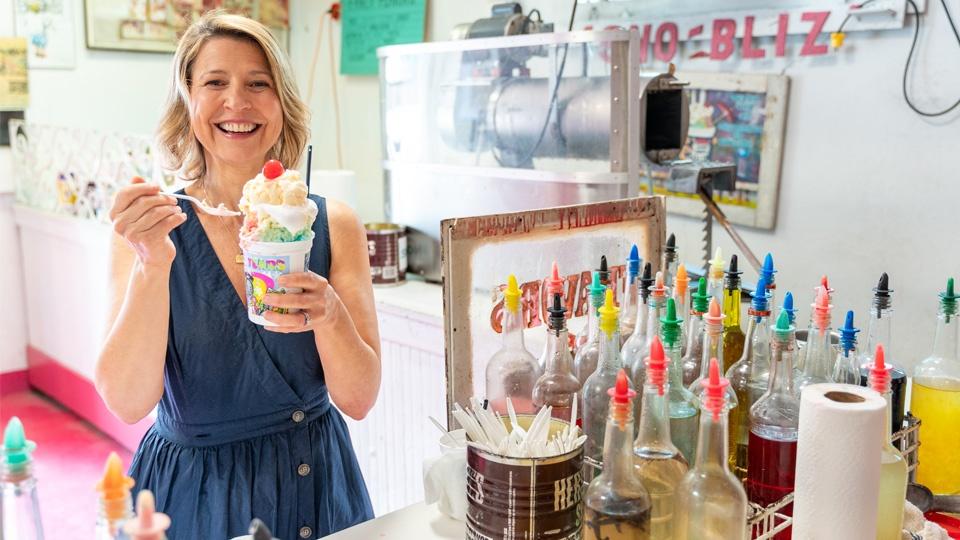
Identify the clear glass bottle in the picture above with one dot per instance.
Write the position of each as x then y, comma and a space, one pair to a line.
733, 336
512, 371
21, 506
711, 502
616, 505
558, 386
681, 295
633, 344
893, 468
800, 357
657, 461
631, 296
880, 330
693, 356
712, 338
846, 370
684, 412
115, 505
774, 424
715, 276
745, 383
820, 358
670, 261
554, 285
596, 402
149, 524
634, 352
768, 273
935, 400
585, 362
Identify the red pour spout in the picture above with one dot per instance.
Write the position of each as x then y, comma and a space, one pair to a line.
657, 365
714, 387
880, 372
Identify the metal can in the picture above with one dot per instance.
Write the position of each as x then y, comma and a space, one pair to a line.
524, 498
387, 247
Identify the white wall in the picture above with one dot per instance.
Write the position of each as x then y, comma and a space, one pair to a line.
13, 354
867, 186
109, 91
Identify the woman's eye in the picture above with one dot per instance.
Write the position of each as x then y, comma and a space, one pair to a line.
260, 84
215, 82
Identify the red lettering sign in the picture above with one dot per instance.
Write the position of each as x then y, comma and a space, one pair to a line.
671, 50
721, 41
810, 46
748, 49
781, 42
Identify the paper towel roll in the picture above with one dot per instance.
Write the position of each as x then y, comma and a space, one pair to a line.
838, 462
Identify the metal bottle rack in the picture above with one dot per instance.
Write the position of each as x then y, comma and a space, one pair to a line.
765, 522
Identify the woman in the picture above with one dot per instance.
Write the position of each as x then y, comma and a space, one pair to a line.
245, 427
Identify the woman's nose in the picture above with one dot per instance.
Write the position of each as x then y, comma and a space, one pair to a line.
236, 99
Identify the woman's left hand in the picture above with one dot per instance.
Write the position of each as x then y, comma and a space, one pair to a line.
318, 303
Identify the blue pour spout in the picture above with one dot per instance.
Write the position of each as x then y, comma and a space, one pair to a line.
767, 271
633, 264
848, 334
761, 297
788, 306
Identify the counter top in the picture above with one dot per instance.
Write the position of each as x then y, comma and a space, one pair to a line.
421, 521
417, 296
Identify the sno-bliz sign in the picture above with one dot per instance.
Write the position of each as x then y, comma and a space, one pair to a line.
719, 37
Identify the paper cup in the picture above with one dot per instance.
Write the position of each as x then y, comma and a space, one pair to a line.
263, 264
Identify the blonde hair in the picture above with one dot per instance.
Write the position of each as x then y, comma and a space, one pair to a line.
178, 145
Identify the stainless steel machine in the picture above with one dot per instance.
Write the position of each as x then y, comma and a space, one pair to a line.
500, 124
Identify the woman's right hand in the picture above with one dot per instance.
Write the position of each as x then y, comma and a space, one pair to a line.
144, 217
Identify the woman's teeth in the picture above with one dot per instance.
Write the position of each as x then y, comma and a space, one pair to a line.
237, 127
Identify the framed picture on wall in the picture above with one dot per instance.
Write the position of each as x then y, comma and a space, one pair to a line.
738, 119
48, 27
156, 25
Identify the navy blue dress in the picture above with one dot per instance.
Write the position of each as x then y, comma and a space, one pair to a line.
245, 427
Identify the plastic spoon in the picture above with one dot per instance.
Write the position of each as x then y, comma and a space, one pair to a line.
219, 210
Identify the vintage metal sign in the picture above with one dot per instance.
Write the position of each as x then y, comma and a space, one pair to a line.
479, 252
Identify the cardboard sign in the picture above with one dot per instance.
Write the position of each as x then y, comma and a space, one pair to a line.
479, 252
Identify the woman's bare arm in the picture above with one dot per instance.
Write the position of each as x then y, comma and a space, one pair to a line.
129, 371
349, 347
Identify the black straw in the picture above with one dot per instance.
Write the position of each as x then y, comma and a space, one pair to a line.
309, 161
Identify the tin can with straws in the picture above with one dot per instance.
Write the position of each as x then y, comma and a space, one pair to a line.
525, 498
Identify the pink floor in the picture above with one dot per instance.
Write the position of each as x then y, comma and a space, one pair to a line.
68, 462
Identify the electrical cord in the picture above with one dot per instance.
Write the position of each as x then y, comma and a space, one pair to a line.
551, 105
913, 45
850, 14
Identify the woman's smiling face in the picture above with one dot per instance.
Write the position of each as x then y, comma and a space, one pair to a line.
235, 112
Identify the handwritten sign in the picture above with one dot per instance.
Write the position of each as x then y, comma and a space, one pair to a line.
13, 74
368, 24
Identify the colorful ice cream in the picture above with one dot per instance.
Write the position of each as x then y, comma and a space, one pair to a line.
275, 207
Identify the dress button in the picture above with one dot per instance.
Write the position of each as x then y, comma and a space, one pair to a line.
303, 469
306, 532
298, 416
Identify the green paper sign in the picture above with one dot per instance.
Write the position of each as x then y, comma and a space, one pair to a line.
368, 24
